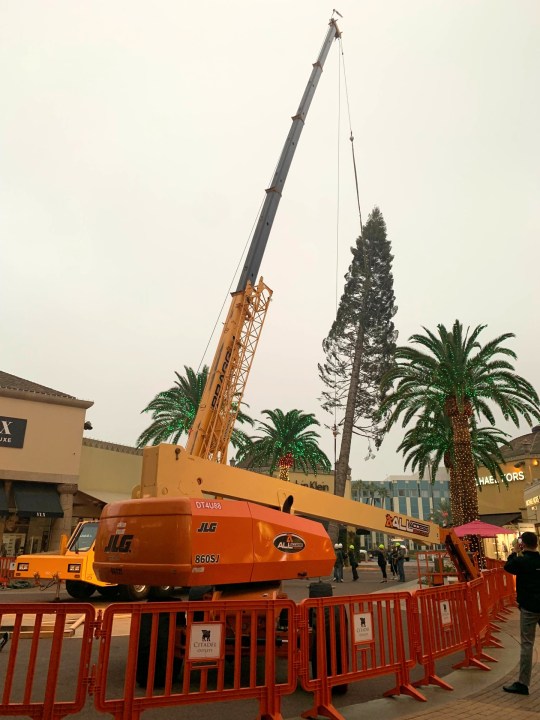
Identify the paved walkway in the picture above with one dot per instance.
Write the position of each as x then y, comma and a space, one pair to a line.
476, 694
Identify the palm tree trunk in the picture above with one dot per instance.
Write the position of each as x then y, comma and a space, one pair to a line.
464, 498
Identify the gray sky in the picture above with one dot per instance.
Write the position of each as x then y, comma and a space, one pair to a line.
136, 140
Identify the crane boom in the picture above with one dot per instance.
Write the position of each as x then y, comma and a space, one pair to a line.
211, 431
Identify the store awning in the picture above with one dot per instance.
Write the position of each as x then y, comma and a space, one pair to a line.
4, 511
37, 500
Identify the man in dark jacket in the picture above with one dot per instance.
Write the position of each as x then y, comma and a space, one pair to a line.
381, 561
526, 567
353, 562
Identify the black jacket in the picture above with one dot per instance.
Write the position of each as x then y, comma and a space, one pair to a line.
381, 557
526, 568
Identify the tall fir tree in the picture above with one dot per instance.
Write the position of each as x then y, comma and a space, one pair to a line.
360, 346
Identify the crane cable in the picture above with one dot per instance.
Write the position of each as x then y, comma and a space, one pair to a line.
341, 65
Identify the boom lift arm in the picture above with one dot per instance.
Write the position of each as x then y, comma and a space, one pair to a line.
220, 403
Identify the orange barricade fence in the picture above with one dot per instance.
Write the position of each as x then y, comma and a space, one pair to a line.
164, 654
39, 680
184, 653
353, 638
507, 589
494, 600
442, 621
7, 568
480, 614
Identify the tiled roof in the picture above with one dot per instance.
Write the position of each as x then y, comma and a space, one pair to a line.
12, 382
104, 445
526, 445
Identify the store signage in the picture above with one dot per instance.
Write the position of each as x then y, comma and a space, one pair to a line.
510, 477
12, 432
533, 501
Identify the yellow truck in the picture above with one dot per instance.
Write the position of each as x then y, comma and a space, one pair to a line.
74, 567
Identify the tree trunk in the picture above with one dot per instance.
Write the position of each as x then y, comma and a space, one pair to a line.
342, 465
464, 495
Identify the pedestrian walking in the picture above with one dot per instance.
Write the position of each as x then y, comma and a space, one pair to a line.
353, 562
338, 564
381, 561
525, 566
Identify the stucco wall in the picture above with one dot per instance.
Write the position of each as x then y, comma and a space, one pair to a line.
52, 443
115, 469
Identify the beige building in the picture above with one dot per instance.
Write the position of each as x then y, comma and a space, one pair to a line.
506, 504
50, 476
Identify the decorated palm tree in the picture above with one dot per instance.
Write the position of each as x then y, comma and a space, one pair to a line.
431, 443
285, 442
174, 410
453, 374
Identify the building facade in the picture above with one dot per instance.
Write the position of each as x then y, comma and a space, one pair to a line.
406, 494
50, 476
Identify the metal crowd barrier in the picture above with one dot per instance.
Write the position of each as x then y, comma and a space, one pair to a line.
7, 568
39, 681
173, 653
355, 638
186, 653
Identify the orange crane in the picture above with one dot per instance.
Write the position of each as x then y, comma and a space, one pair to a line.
200, 522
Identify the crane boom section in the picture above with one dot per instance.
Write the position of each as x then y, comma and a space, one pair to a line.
170, 471
220, 404
227, 378
274, 192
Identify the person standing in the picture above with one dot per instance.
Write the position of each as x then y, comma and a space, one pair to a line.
392, 561
401, 553
381, 561
526, 567
353, 562
338, 564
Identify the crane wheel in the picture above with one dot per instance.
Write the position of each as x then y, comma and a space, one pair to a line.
80, 590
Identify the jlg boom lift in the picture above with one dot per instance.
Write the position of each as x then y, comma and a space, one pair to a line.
200, 522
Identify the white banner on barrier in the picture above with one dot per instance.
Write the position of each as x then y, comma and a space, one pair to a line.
363, 628
205, 641
446, 616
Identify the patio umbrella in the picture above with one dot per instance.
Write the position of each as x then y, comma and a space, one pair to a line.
485, 530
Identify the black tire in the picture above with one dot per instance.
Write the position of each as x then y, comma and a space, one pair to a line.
134, 593
161, 592
79, 590
325, 590
109, 592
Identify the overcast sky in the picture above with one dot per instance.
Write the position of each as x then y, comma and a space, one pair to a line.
136, 140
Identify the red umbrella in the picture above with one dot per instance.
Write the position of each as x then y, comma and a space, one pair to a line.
485, 530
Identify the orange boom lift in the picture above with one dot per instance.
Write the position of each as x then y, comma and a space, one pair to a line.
200, 522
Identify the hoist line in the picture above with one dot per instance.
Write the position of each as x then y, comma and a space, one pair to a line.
342, 54
338, 208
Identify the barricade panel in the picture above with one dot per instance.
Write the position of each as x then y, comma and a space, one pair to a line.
7, 568
42, 678
443, 628
187, 653
347, 639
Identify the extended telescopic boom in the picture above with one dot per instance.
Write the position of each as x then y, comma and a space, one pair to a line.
227, 378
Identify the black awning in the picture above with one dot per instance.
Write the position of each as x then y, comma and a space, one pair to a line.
4, 510
37, 500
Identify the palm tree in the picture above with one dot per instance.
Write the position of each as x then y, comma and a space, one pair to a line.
443, 514
174, 410
285, 442
458, 377
431, 441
